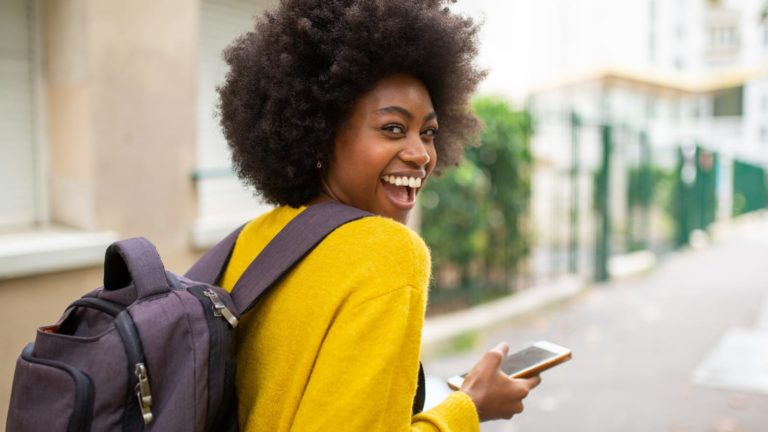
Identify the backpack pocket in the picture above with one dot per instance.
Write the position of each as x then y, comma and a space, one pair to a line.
50, 396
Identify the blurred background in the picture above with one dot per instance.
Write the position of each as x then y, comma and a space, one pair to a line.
616, 204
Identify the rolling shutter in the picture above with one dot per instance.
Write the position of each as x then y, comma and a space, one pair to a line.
18, 167
222, 200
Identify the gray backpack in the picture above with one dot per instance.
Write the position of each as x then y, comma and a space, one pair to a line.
151, 350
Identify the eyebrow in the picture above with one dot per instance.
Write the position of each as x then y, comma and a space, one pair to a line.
404, 112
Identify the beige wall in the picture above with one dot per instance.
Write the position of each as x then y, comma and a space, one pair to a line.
118, 89
120, 81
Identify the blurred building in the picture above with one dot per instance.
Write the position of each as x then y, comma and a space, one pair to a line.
692, 100
705, 66
107, 130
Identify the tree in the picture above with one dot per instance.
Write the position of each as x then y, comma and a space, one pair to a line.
474, 216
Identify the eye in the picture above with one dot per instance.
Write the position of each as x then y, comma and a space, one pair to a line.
431, 132
394, 129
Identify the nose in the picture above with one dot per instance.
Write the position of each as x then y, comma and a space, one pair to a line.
415, 152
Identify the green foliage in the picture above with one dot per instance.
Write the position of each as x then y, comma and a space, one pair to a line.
473, 217
648, 188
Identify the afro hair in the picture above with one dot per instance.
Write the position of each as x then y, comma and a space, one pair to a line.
294, 77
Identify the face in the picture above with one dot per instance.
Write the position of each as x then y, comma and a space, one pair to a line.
385, 149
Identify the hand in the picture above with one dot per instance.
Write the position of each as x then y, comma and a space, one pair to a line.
496, 395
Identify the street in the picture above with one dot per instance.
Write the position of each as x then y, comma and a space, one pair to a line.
682, 348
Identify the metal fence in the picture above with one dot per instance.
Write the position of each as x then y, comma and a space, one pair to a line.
608, 198
606, 195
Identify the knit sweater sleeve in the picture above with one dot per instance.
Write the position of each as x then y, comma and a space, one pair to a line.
364, 377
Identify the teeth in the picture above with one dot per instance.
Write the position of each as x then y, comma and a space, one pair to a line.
413, 182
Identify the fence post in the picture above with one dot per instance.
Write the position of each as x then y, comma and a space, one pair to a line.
573, 244
646, 189
603, 231
684, 194
706, 168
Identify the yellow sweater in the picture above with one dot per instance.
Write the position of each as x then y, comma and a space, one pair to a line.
335, 346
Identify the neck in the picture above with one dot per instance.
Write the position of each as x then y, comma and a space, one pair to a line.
327, 191
325, 194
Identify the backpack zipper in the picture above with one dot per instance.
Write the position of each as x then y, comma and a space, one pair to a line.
219, 308
143, 392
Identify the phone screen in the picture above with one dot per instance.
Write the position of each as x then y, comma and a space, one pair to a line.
525, 359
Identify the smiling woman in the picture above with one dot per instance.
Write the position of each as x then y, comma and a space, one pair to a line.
384, 149
342, 101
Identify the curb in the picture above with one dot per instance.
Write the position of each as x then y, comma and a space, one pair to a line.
444, 328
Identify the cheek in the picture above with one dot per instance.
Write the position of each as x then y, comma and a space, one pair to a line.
364, 165
373, 156
432, 151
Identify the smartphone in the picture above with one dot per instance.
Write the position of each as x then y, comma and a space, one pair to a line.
526, 363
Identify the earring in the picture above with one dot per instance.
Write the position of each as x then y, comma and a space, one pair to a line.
319, 164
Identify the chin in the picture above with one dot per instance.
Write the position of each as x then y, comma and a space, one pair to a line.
401, 217
392, 212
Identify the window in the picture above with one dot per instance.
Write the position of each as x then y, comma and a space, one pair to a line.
764, 103
652, 31
652, 47
29, 244
733, 37
728, 102
223, 203
18, 165
765, 36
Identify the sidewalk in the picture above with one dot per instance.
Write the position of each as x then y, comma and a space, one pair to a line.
684, 348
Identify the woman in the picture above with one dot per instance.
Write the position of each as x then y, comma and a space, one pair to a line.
343, 100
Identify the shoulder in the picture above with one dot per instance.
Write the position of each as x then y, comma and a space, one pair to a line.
376, 247
380, 239
379, 232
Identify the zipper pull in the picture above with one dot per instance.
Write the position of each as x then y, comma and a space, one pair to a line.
219, 308
143, 392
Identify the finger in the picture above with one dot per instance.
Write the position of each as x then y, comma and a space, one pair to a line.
533, 381
493, 357
502, 348
519, 408
513, 409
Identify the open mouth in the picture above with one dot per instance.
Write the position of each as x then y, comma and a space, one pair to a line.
402, 189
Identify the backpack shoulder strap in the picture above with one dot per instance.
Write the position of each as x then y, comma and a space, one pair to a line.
289, 246
210, 267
